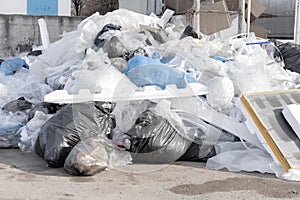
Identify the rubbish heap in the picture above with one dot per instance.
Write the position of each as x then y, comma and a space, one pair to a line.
129, 88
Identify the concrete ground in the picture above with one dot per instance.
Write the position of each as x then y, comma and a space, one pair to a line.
25, 176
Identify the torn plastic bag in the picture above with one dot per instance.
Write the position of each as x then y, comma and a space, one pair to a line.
30, 132
10, 124
99, 42
94, 155
291, 55
155, 140
17, 105
69, 125
47, 108
143, 71
10, 66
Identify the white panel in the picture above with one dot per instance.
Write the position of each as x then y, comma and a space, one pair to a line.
13, 7
64, 7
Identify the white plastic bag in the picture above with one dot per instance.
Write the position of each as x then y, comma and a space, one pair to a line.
30, 132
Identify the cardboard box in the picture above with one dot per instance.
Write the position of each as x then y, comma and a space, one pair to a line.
233, 5
214, 22
257, 9
259, 30
179, 5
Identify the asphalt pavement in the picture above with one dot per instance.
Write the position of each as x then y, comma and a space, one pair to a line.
26, 176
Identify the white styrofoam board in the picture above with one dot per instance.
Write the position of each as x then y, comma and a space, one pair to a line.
147, 92
292, 115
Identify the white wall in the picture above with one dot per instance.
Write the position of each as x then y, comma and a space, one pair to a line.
64, 7
139, 6
142, 6
20, 7
13, 7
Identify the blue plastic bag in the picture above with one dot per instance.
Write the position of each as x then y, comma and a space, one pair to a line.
144, 71
10, 66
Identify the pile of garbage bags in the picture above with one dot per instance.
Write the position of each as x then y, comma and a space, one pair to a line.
122, 50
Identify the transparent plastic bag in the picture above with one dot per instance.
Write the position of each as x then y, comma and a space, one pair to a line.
10, 124
94, 155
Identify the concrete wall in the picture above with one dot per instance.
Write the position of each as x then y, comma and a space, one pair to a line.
12, 7
19, 33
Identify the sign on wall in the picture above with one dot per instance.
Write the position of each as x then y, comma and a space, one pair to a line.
42, 7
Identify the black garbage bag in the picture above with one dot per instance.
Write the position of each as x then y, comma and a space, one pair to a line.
189, 31
100, 42
17, 105
198, 152
69, 125
94, 155
154, 140
47, 108
291, 55
35, 53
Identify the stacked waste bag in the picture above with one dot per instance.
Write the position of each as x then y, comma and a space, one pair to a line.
124, 51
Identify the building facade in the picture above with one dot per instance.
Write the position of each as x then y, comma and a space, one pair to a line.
36, 7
